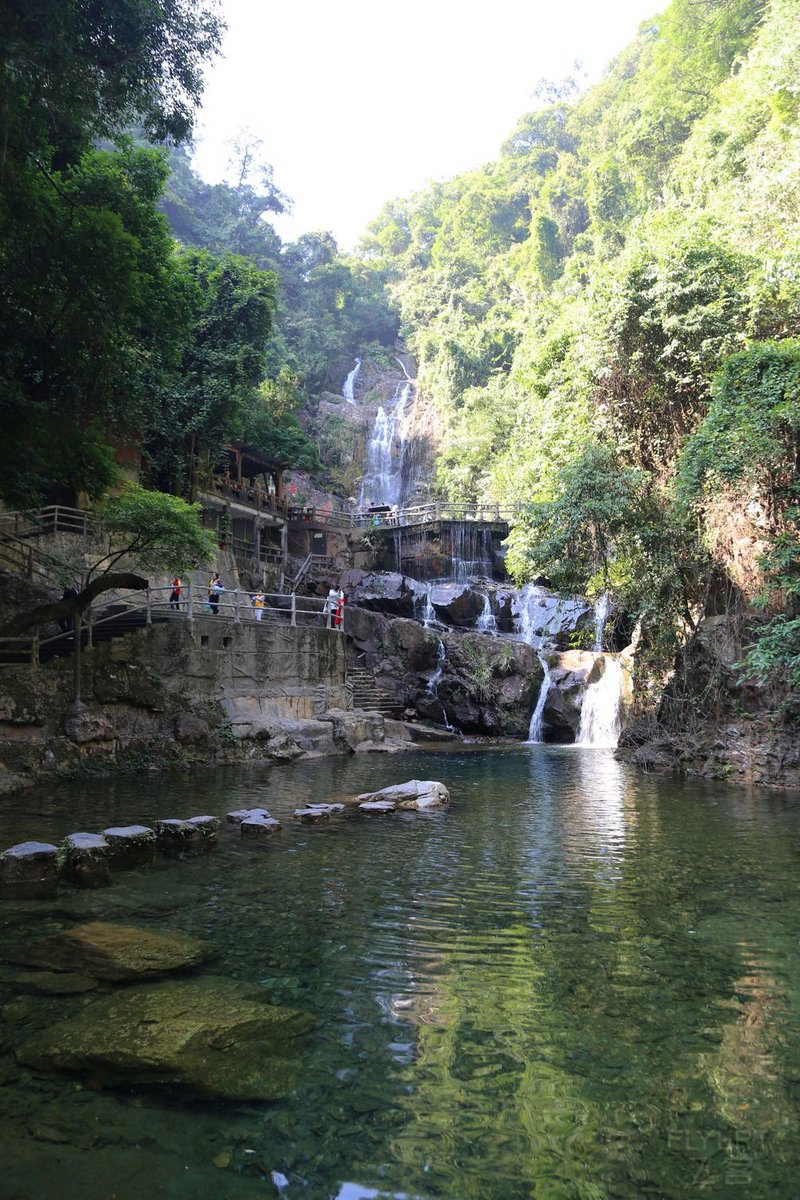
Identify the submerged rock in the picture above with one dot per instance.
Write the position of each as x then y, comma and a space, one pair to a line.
208, 1037
115, 952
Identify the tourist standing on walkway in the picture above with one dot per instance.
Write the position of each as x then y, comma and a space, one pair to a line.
259, 604
215, 590
175, 594
330, 606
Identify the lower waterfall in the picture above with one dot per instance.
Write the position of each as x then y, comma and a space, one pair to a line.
600, 712
536, 730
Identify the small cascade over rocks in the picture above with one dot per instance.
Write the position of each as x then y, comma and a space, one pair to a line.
583, 692
601, 718
348, 391
536, 730
486, 622
435, 679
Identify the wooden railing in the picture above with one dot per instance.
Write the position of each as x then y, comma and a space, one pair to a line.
417, 514
55, 518
253, 497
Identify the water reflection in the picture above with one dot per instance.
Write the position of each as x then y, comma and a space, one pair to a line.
578, 981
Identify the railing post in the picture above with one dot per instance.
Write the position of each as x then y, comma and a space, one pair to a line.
189, 602
149, 618
35, 648
236, 616
293, 621
89, 627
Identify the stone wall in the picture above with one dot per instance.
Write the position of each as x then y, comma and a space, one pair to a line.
199, 690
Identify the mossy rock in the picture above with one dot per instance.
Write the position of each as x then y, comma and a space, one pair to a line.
208, 1037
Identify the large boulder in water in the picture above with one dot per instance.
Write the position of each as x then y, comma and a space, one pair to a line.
115, 952
208, 1037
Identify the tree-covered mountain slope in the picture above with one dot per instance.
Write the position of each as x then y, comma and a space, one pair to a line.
606, 316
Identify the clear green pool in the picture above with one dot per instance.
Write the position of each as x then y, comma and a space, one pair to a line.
575, 982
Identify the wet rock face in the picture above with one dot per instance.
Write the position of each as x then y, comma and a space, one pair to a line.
117, 953
206, 1037
456, 604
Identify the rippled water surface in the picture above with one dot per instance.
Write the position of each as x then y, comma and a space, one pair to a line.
574, 982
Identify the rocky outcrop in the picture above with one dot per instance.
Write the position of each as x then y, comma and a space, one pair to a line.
206, 1037
416, 794
712, 722
477, 683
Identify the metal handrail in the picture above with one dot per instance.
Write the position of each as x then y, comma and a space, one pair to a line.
234, 606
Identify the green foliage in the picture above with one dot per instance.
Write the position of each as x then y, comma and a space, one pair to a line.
92, 315
752, 429
159, 531
214, 388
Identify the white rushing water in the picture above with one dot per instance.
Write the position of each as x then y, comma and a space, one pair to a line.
602, 607
486, 621
536, 729
600, 712
348, 391
433, 683
383, 479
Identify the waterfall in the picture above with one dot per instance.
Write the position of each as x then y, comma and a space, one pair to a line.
600, 712
470, 550
433, 683
382, 482
536, 730
347, 391
423, 608
486, 622
602, 606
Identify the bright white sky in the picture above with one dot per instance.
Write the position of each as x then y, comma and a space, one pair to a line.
360, 101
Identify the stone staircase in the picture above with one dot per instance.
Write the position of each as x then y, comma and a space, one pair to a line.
121, 622
367, 694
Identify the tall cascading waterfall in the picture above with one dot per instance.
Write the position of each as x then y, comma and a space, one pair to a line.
348, 391
602, 607
383, 479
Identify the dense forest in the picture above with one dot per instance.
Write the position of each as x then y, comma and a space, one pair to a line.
140, 305
607, 317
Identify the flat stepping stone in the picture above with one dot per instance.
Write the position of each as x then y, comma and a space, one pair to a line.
245, 814
261, 828
29, 862
377, 807
130, 840
207, 827
175, 834
86, 859
310, 815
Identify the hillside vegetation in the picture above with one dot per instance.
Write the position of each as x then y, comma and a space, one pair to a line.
607, 318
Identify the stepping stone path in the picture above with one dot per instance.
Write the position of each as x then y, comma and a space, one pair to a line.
254, 823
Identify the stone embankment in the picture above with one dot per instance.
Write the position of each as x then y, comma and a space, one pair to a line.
180, 695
